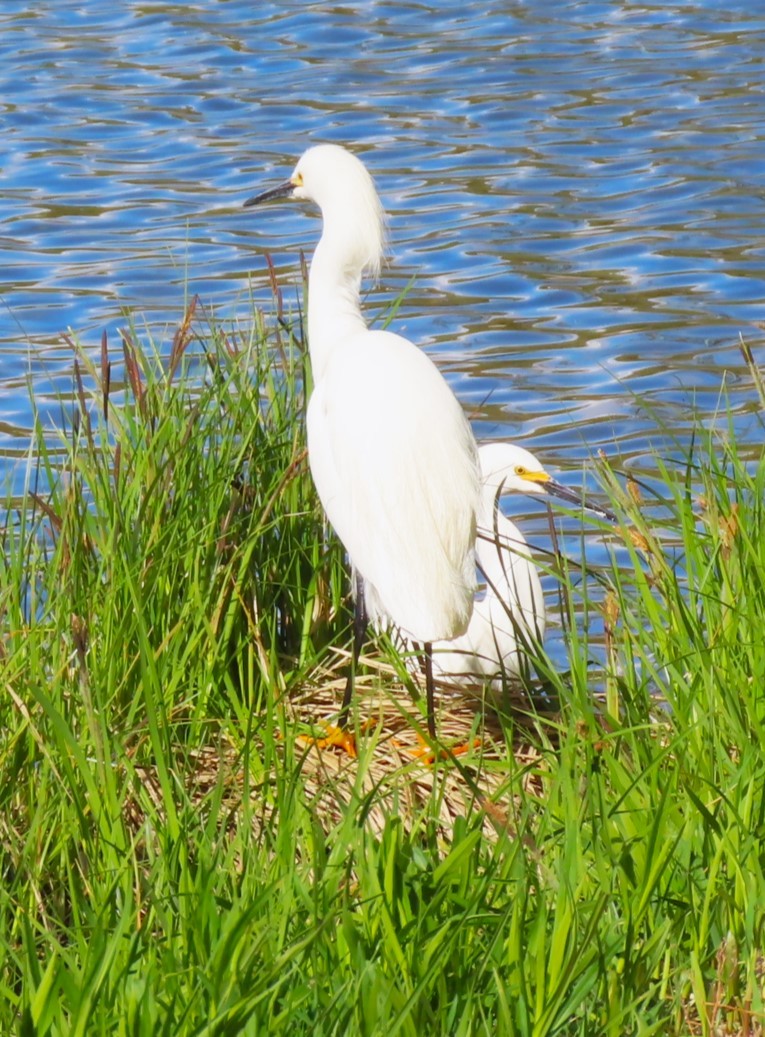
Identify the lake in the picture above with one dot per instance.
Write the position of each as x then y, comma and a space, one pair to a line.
576, 192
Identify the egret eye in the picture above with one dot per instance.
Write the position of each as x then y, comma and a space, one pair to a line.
297, 180
520, 470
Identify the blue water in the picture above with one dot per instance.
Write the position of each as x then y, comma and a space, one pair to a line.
577, 188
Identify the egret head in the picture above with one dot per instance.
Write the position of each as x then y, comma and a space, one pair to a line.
338, 182
506, 468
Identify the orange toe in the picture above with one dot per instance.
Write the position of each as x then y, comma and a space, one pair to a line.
425, 753
335, 737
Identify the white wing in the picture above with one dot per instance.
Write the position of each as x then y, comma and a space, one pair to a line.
505, 621
395, 465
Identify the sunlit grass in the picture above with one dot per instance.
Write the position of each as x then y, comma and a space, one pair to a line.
177, 859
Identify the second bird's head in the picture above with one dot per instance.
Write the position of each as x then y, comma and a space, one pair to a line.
507, 468
339, 183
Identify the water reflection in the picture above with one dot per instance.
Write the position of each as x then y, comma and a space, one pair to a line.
578, 190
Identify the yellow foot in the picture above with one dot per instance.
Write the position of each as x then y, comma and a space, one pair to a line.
339, 738
425, 753
336, 738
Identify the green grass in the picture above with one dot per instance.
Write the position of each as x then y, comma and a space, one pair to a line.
175, 860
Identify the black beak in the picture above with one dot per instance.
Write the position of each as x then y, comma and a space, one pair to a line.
280, 191
556, 489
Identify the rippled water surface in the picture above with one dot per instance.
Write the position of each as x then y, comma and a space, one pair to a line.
577, 188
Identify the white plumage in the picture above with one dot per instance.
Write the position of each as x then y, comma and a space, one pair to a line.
509, 617
390, 450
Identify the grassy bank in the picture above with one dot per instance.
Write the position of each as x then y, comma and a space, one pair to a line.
177, 860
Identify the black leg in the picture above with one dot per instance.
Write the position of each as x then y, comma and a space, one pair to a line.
359, 636
430, 698
425, 655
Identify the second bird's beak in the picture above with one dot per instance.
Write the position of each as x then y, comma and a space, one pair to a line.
284, 190
555, 489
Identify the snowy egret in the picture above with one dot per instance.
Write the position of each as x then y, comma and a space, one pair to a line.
391, 452
509, 618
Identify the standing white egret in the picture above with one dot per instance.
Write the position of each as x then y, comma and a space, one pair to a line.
391, 452
510, 616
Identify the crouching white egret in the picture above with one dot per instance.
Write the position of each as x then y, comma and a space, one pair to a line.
509, 618
390, 450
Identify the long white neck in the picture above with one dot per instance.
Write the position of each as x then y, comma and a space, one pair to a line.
496, 546
334, 308
511, 576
